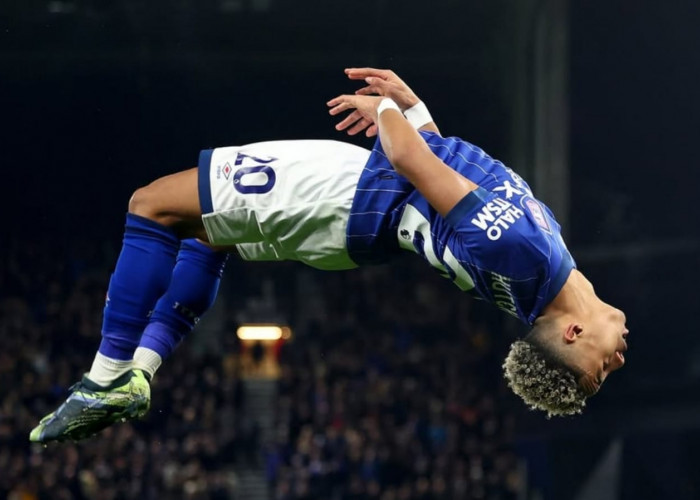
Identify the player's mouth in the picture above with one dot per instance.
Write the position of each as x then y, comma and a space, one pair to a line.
619, 354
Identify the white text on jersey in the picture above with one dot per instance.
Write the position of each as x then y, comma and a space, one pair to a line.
497, 216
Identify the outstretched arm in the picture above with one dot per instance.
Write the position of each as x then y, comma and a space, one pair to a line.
407, 151
386, 83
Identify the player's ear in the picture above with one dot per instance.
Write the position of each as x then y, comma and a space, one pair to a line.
572, 332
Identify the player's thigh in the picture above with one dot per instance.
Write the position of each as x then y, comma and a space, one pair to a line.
173, 201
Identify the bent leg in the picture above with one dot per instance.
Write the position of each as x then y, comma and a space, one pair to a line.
117, 389
172, 201
192, 291
160, 214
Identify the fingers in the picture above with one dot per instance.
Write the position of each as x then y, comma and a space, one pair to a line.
362, 124
369, 90
343, 106
355, 121
362, 73
349, 120
360, 118
376, 86
340, 104
339, 100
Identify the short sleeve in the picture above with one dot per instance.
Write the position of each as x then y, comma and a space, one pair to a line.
498, 235
467, 206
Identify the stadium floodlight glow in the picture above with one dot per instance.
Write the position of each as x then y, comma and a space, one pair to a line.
263, 332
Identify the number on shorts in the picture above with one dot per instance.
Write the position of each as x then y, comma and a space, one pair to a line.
254, 188
268, 171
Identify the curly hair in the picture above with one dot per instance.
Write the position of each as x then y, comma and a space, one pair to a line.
540, 375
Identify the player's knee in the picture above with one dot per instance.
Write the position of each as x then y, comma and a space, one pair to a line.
171, 201
145, 202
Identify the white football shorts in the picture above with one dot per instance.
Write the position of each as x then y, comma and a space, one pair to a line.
282, 200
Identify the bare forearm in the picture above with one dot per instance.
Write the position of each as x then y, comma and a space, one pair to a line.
402, 144
430, 127
386, 83
412, 158
406, 150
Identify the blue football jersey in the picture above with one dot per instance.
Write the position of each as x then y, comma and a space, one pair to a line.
499, 243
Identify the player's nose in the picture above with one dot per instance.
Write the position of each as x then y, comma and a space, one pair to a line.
623, 317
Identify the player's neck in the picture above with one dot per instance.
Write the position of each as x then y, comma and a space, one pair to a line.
576, 298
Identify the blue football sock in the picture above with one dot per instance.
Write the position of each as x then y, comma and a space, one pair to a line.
192, 290
141, 276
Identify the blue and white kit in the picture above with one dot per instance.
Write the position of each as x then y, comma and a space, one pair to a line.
336, 206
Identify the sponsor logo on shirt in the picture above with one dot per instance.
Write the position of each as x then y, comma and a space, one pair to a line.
538, 214
497, 216
502, 294
508, 190
519, 182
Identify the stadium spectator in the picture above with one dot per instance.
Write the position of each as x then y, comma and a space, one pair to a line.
381, 404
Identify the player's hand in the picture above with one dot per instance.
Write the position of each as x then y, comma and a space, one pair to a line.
385, 83
363, 116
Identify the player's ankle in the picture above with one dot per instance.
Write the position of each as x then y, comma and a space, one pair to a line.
147, 360
105, 370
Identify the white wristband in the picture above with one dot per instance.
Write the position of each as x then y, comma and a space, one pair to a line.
418, 115
387, 104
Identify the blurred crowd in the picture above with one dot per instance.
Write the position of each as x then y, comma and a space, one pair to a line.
390, 389
50, 310
395, 396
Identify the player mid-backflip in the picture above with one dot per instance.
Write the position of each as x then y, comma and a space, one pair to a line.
333, 205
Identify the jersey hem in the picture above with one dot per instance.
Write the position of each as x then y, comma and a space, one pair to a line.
472, 200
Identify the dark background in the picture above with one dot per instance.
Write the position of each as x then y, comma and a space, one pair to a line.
97, 100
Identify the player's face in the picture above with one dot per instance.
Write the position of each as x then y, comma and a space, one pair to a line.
600, 347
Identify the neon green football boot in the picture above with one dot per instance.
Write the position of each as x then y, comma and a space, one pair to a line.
90, 408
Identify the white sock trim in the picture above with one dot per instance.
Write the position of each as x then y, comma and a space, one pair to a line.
147, 360
106, 370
